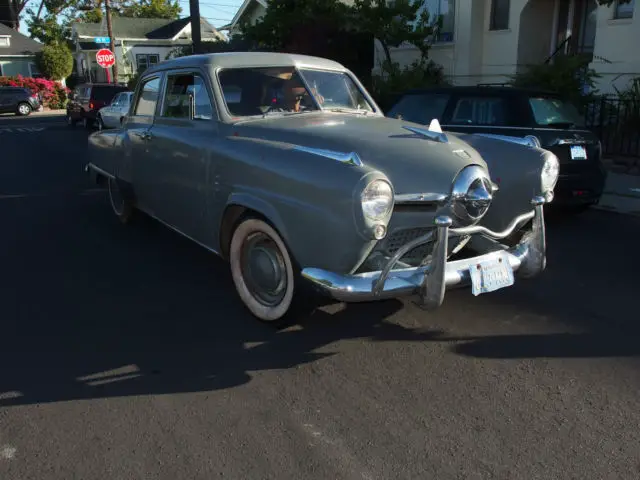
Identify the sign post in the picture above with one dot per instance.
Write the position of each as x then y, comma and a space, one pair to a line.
106, 59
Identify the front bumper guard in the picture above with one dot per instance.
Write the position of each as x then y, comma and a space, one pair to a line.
435, 275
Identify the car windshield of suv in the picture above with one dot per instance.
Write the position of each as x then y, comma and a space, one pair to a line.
554, 112
283, 90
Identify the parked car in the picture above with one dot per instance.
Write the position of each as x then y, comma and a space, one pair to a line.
87, 99
285, 166
539, 117
18, 100
113, 114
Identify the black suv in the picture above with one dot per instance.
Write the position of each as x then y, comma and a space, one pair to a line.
517, 112
18, 100
87, 99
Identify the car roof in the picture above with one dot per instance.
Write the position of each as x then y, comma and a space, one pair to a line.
248, 60
482, 90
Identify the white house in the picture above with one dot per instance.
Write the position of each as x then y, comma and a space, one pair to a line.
487, 41
139, 43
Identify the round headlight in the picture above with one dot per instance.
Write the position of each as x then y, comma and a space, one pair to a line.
550, 172
377, 200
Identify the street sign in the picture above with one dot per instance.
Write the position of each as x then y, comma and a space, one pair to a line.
105, 40
105, 58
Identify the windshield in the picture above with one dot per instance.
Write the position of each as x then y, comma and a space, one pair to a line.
335, 90
554, 112
268, 90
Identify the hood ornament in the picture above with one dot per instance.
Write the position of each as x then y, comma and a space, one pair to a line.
434, 132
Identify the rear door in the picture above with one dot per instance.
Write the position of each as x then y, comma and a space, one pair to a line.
138, 131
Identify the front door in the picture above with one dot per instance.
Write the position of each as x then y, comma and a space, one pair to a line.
183, 137
139, 127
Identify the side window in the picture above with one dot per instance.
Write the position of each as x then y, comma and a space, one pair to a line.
148, 98
180, 89
480, 111
420, 107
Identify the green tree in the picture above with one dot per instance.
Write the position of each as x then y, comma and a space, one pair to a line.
153, 9
55, 61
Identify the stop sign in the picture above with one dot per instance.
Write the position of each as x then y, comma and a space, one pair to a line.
105, 58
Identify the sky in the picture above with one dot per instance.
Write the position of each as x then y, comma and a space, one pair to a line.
217, 12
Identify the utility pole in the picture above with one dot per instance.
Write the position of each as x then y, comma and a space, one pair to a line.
112, 45
196, 35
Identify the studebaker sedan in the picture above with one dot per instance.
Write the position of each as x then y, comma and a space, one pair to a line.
286, 167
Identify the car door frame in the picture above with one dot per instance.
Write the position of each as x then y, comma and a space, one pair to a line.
200, 195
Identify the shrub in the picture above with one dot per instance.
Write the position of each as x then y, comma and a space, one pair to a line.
568, 75
395, 80
53, 94
55, 61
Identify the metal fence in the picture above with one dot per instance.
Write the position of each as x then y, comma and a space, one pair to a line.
616, 122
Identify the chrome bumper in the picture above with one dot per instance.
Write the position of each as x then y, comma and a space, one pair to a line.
431, 280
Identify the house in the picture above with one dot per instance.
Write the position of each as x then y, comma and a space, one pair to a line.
138, 43
17, 53
487, 41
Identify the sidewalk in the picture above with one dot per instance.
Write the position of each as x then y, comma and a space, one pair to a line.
621, 194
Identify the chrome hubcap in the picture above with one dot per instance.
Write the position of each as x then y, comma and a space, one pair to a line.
263, 269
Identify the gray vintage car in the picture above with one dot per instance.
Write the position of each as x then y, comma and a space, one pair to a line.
285, 166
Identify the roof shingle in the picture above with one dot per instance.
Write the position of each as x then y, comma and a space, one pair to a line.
19, 44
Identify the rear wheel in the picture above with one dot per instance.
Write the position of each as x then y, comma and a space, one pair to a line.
24, 109
262, 270
120, 200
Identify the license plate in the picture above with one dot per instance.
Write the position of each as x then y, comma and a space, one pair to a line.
491, 275
578, 152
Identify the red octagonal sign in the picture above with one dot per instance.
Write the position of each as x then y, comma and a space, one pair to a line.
105, 58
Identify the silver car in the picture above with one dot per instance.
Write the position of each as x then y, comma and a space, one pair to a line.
284, 166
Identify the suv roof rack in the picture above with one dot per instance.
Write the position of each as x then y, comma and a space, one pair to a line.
494, 85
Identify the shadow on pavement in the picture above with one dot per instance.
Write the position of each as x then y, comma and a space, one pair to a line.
91, 309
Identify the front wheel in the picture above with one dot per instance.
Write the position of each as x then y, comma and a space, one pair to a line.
24, 109
262, 270
120, 201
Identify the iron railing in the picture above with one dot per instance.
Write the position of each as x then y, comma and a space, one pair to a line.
616, 122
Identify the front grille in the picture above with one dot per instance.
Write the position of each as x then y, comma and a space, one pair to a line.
398, 238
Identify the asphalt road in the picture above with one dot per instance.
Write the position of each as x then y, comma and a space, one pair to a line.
124, 354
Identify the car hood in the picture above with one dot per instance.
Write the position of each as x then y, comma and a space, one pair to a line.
413, 163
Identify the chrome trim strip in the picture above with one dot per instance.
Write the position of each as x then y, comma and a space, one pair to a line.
351, 158
421, 198
98, 170
431, 281
526, 141
430, 134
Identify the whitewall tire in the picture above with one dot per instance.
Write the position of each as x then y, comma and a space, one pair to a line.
120, 203
262, 270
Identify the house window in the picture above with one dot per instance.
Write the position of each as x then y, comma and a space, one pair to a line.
437, 9
5, 41
624, 10
499, 15
144, 61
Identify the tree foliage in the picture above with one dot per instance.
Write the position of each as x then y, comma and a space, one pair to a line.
392, 23
55, 61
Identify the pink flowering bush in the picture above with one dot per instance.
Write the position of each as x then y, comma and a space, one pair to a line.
53, 94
